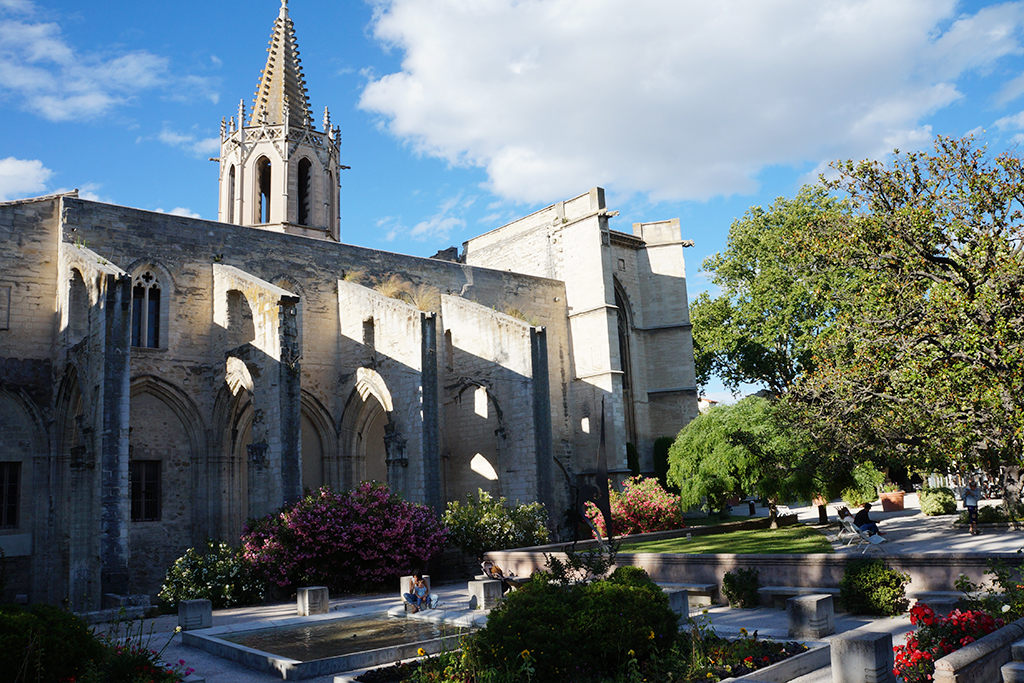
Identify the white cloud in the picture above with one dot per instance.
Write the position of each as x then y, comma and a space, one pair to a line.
193, 143
440, 226
180, 211
680, 100
59, 82
20, 178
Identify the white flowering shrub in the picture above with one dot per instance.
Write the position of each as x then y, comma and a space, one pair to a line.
483, 523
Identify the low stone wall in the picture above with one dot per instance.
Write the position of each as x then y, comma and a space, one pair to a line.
980, 661
928, 571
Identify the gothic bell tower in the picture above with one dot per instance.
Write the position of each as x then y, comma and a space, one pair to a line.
278, 171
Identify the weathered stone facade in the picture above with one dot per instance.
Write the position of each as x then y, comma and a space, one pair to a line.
164, 378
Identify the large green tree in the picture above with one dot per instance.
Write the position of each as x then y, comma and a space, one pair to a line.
925, 361
761, 328
744, 449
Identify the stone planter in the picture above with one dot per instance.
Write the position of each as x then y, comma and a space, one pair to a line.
892, 501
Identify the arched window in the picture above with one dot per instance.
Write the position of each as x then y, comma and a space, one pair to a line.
231, 194
263, 190
305, 191
146, 311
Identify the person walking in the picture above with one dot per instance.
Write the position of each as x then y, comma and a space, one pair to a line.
972, 496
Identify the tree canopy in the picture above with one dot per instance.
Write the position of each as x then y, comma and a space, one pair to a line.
885, 306
925, 360
761, 328
741, 449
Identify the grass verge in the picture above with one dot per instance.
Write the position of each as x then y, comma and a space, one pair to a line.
788, 540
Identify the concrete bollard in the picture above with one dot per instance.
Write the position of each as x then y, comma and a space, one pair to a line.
862, 658
679, 602
484, 594
194, 614
313, 600
810, 616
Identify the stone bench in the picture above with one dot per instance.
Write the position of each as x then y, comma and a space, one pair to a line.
941, 602
776, 596
810, 616
697, 594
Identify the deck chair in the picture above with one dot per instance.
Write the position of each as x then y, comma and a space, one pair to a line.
864, 539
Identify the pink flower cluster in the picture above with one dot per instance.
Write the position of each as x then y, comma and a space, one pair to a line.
643, 506
936, 637
344, 540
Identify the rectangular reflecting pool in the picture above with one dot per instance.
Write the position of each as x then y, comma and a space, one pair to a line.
307, 647
306, 642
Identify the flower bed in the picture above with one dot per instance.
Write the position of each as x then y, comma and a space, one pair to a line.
936, 637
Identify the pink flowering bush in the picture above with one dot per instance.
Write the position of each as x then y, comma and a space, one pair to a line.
344, 541
936, 637
642, 506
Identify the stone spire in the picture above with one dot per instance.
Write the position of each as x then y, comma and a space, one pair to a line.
282, 92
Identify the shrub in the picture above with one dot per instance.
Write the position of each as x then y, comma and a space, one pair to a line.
872, 587
218, 573
345, 541
45, 643
483, 524
937, 501
866, 482
577, 632
1003, 595
987, 514
740, 587
935, 638
643, 506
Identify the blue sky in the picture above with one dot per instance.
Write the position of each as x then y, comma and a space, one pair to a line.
457, 116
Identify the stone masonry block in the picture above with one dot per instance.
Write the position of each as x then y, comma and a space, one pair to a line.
195, 614
810, 616
313, 600
679, 602
484, 594
862, 658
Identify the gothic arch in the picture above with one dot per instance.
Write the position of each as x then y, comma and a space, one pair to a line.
263, 189
367, 413
626, 364
80, 298
167, 479
321, 456
150, 278
180, 403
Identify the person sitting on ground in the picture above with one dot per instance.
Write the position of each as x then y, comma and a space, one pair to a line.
864, 523
419, 598
972, 496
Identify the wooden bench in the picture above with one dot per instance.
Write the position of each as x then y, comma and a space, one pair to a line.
776, 596
699, 594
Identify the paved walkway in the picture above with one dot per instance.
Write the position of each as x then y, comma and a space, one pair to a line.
908, 531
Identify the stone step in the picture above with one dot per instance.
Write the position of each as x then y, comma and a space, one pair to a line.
1012, 672
1017, 651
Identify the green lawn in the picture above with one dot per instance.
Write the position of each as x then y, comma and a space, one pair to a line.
787, 540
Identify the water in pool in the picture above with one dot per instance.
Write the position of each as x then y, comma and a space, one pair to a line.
338, 637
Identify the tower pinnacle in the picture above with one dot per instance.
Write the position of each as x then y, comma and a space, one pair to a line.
282, 79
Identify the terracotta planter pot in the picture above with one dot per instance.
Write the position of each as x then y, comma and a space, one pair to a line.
891, 501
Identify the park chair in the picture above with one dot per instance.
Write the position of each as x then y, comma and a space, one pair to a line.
862, 538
